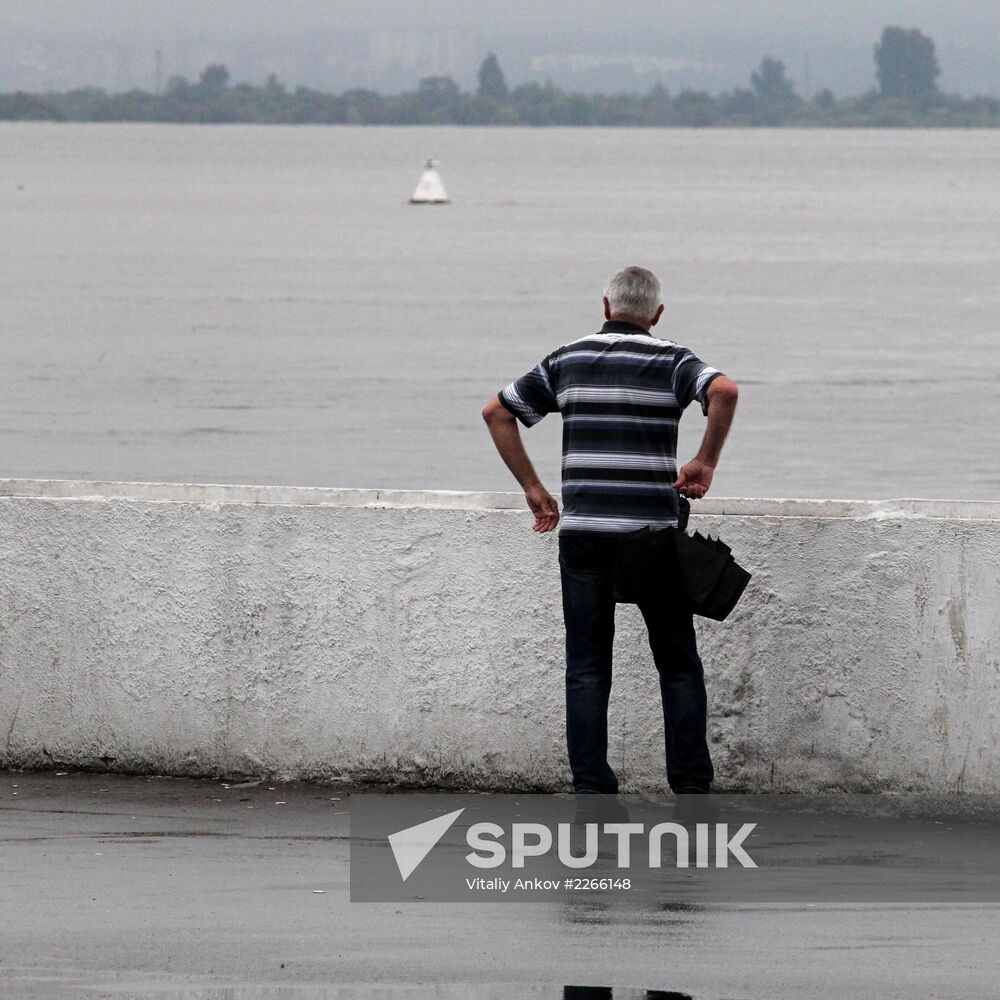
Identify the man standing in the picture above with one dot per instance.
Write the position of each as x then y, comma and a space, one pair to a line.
621, 393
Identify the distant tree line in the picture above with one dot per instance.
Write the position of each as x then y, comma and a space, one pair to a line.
905, 64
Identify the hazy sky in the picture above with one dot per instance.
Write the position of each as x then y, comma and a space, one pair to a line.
726, 38
958, 21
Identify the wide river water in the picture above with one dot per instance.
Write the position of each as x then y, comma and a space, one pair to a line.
233, 304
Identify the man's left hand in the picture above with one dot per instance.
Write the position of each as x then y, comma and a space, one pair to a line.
694, 479
543, 505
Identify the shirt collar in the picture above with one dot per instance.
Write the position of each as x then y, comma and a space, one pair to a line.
621, 326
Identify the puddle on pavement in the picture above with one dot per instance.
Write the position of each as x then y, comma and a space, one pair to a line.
462, 991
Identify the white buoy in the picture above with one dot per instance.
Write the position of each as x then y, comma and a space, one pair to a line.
430, 189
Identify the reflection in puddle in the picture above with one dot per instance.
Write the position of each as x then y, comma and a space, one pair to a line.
670, 913
608, 993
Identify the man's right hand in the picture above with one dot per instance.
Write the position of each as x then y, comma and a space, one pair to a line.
694, 479
543, 505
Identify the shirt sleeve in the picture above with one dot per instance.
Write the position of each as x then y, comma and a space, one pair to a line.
532, 395
692, 378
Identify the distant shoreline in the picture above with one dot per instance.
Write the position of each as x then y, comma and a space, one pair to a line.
907, 96
439, 101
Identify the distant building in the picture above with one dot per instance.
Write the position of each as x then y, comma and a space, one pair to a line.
397, 59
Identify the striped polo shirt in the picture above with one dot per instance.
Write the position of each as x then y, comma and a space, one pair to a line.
621, 393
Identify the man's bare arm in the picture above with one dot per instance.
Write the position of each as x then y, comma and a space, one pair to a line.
506, 436
695, 478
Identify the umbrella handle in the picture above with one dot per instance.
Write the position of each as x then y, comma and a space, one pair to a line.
683, 511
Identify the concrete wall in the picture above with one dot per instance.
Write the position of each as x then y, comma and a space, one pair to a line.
372, 634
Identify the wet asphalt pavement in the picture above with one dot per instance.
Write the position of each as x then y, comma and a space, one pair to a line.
125, 886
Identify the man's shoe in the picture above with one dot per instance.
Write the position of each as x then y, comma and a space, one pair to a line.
695, 807
594, 808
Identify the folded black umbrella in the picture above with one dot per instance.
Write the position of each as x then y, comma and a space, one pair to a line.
670, 566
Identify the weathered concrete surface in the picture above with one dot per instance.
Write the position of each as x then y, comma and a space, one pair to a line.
175, 888
363, 634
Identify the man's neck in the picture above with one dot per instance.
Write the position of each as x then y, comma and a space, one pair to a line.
633, 320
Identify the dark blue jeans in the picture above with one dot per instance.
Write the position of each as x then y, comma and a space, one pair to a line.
585, 565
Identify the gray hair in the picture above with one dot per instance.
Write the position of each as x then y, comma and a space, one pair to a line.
633, 292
